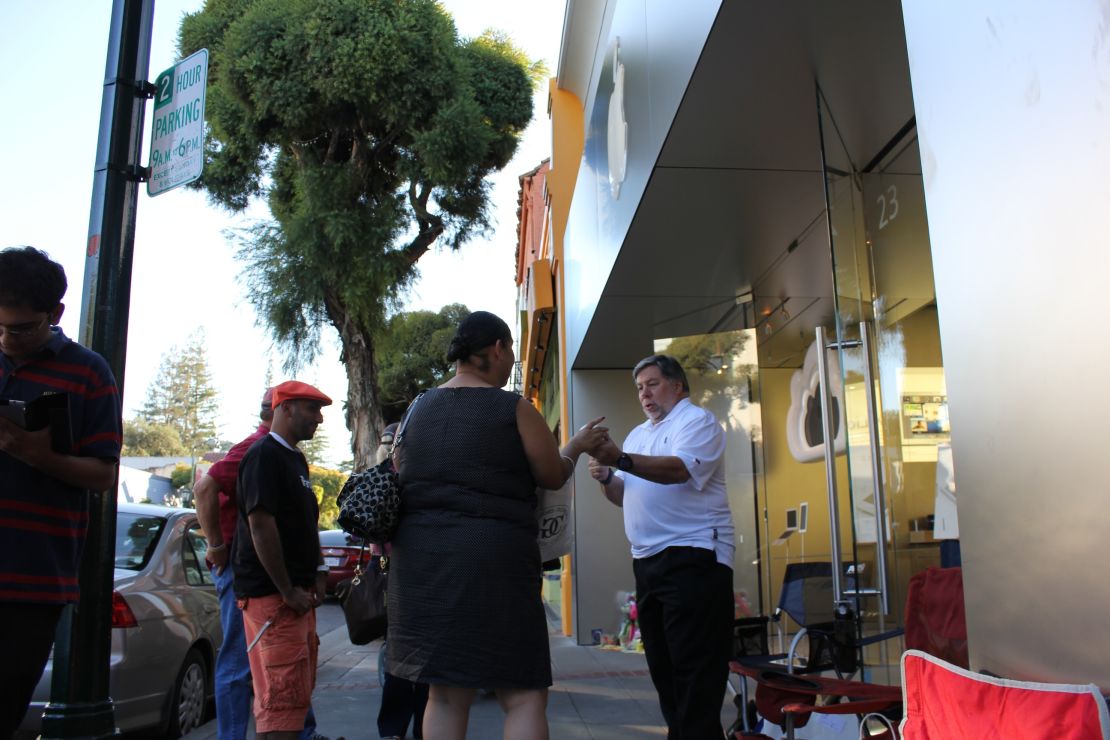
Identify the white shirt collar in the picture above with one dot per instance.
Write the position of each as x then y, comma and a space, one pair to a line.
284, 444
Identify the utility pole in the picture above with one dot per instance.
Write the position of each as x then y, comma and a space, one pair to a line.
80, 706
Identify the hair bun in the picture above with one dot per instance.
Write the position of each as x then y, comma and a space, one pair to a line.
477, 331
458, 349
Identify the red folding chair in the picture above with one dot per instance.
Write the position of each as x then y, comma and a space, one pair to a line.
935, 621
944, 701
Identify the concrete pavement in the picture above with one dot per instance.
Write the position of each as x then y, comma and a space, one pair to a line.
598, 694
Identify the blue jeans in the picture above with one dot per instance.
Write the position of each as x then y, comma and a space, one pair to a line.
233, 673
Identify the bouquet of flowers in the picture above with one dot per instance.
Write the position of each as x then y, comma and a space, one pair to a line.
629, 633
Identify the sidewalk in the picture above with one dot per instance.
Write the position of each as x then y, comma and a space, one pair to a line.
598, 694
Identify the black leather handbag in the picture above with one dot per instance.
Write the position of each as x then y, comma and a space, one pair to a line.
364, 605
370, 501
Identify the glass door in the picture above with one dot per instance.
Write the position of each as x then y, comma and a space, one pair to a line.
885, 342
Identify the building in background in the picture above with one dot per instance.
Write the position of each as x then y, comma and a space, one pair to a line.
910, 197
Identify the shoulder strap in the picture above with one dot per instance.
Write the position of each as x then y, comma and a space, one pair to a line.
405, 422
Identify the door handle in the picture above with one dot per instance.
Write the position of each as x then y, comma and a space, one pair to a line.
876, 465
830, 464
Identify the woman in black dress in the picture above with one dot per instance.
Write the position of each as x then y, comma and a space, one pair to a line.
465, 610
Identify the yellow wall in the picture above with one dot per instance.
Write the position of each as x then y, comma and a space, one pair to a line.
567, 142
787, 483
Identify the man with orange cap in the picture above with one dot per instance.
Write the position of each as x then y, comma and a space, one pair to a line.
279, 572
218, 513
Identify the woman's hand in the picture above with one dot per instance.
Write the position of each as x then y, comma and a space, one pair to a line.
589, 437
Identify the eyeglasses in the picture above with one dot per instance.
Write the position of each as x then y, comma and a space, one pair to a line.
23, 330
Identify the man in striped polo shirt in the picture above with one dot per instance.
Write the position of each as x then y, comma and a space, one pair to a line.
44, 486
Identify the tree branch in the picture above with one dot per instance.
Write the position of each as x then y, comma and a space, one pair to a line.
333, 144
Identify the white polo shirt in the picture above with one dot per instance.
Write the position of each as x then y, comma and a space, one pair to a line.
694, 513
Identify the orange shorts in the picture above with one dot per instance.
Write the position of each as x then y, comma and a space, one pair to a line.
283, 663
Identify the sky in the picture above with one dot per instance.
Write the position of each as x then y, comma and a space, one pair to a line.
185, 276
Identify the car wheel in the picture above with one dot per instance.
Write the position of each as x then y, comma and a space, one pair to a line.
190, 696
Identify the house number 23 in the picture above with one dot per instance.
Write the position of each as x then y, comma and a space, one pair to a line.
888, 206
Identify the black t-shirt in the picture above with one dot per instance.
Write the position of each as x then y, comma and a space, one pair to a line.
274, 478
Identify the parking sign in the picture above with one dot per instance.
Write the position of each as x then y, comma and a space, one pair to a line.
177, 139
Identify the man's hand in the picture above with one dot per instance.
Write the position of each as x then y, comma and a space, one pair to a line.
29, 447
33, 448
598, 471
606, 453
218, 558
614, 489
299, 600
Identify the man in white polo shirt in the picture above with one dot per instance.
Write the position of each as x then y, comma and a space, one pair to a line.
670, 480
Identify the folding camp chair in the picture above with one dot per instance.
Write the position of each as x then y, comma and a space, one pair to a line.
935, 621
807, 598
944, 701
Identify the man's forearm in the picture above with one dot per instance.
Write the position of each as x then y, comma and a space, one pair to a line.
91, 473
614, 490
267, 543
666, 469
34, 449
207, 497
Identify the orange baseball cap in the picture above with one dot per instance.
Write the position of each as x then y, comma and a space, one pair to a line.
295, 389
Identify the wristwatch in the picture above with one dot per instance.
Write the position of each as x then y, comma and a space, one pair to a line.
607, 479
624, 462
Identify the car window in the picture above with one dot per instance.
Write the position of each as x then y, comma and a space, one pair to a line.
195, 549
136, 537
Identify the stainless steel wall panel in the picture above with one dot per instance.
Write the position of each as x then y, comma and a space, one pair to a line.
1013, 111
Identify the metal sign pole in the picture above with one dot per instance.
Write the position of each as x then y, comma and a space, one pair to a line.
80, 705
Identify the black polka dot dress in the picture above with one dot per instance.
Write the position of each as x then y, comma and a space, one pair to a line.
464, 584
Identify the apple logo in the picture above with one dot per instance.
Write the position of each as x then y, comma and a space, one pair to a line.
805, 433
618, 126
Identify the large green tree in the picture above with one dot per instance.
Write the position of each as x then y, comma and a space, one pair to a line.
316, 448
412, 355
370, 127
182, 396
326, 484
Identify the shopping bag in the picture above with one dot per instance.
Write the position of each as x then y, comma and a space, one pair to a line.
553, 518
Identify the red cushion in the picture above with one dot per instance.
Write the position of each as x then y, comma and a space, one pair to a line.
943, 701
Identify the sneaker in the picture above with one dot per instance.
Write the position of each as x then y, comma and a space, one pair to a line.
318, 736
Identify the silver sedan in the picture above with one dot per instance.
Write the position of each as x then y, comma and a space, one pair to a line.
165, 624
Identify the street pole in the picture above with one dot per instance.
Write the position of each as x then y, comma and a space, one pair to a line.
80, 706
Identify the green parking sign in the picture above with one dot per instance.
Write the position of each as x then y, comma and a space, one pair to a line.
177, 136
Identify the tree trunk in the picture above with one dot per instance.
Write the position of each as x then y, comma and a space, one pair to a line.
363, 412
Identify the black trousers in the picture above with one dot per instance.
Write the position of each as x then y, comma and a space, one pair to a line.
684, 610
26, 636
402, 700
